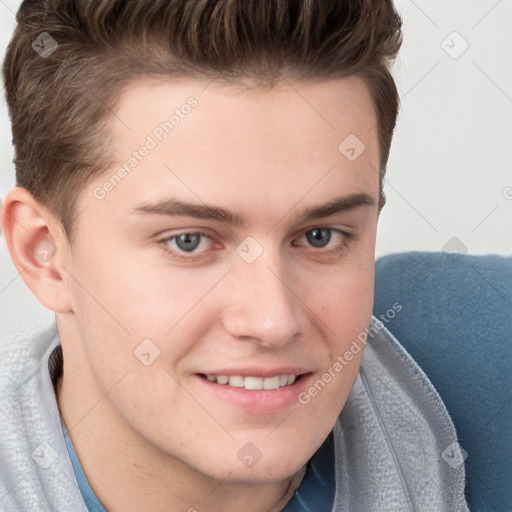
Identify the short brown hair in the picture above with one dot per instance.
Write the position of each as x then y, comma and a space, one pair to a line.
60, 105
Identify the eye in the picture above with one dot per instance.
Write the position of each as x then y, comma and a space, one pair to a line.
318, 237
188, 242
331, 240
192, 242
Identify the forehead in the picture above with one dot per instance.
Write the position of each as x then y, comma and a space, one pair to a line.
216, 143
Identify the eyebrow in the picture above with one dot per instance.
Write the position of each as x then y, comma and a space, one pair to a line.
174, 207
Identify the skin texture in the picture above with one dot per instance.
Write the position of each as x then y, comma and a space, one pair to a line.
156, 437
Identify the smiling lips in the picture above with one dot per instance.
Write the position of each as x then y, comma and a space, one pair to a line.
253, 383
256, 390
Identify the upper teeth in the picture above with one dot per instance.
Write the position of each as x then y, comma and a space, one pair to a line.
253, 382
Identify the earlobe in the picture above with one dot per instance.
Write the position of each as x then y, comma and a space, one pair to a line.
36, 244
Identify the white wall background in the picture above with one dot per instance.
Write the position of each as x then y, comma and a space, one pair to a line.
450, 169
449, 183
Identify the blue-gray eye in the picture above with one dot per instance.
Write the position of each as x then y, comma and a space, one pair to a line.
188, 241
319, 237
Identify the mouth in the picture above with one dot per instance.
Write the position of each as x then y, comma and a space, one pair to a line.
253, 383
255, 391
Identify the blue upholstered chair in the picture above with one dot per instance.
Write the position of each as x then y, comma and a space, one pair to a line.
456, 322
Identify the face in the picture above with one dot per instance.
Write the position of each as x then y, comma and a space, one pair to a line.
237, 246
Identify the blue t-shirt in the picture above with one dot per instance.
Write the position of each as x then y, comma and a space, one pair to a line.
314, 494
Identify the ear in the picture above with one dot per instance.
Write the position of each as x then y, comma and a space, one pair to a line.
38, 248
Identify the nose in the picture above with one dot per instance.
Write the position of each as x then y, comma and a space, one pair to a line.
261, 304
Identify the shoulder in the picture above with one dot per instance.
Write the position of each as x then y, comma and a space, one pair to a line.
22, 354
392, 433
35, 471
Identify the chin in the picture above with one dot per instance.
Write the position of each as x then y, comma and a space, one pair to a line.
264, 474
268, 465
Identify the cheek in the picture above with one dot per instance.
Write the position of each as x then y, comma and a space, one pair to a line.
143, 297
171, 305
346, 299
346, 310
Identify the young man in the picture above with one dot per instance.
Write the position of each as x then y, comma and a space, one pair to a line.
199, 184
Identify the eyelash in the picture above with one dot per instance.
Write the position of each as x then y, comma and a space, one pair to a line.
346, 237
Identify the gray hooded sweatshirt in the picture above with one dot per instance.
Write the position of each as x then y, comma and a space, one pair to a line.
395, 444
